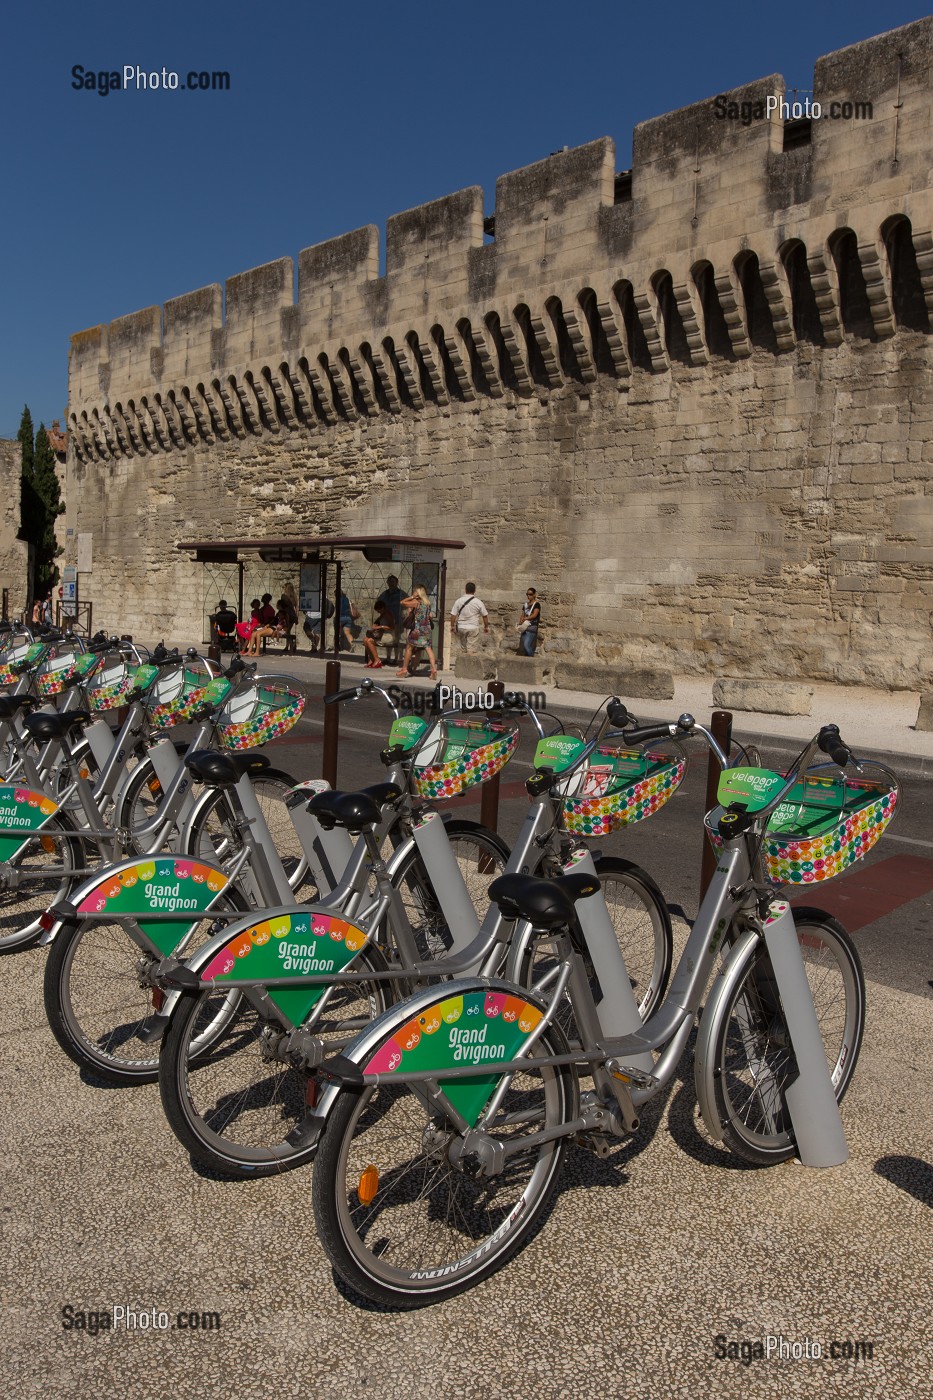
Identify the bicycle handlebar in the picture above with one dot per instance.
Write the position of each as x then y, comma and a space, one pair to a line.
830, 743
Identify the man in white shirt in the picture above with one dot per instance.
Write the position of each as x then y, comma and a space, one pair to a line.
465, 617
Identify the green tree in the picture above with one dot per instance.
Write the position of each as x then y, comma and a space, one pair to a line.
40, 503
49, 493
25, 440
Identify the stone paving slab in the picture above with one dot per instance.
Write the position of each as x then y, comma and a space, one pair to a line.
646, 1258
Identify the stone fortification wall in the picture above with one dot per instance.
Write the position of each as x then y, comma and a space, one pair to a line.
690, 402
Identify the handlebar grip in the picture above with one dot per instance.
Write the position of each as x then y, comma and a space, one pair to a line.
619, 714
830, 743
643, 733
336, 696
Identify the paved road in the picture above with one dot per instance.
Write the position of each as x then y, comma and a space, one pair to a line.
656, 1269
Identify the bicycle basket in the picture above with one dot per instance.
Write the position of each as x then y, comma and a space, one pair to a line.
454, 756
616, 786
24, 653
110, 684
178, 692
827, 822
56, 669
266, 708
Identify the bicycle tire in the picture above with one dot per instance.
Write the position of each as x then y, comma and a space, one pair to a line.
95, 1007
642, 922
232, 1106
481, 854
213, 834
471, 1225
22, 905
755, 1127
139, 801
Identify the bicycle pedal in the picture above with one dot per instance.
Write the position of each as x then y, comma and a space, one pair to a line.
634, 1078
593, 1142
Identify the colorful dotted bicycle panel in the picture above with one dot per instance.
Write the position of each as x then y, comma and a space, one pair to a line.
472, 756
266, 724
804, 859
599, 812
19, 656
60, 670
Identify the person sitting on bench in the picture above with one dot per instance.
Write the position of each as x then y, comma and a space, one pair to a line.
223, 623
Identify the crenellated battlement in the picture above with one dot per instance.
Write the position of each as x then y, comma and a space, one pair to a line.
727, 236
690, 402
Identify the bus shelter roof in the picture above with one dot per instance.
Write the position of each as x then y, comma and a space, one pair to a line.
377, 549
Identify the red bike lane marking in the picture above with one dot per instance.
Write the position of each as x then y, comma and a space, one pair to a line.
866, 895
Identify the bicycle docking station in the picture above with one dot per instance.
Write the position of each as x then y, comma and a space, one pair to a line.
811, 1098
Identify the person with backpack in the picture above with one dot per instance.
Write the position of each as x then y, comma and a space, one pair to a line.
465, 617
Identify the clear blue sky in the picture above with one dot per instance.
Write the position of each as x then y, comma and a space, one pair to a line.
337, 116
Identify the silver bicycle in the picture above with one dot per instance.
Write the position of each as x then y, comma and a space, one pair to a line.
448, 1118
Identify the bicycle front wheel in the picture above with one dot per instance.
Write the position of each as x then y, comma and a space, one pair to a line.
214, 836
753, 1060
642, 924
234, 1104
404, 1220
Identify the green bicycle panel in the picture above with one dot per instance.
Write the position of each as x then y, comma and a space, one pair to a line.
160, 884
751, 788
22, 812
472, 1029
558, 752
290, 945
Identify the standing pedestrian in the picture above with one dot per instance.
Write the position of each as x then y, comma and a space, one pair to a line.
420, 626
465, 617
528, 621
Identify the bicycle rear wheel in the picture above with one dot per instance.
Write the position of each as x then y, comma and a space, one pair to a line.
405, 1222
235, 1104
98, 1000
753, 1060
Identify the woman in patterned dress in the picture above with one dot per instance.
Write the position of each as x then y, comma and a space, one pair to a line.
420, 629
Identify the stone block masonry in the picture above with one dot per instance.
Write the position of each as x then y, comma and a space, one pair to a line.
691, 402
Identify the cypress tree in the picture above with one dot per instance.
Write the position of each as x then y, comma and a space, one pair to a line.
49, 493
25, 439
40, 503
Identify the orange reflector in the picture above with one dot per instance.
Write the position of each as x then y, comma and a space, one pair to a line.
85, 772
48, 844
369, 1185
154, 786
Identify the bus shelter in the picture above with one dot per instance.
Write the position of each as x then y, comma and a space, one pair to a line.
326, 572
